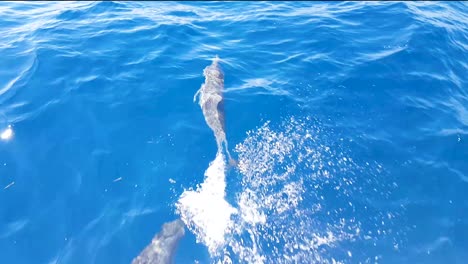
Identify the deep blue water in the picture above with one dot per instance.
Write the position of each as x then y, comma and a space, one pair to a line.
106, 137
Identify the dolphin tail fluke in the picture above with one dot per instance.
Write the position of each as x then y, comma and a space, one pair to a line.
232, 162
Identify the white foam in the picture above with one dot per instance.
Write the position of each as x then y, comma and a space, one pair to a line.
284, 211
286, 208
205, 211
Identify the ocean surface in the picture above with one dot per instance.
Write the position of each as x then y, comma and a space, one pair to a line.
349, 122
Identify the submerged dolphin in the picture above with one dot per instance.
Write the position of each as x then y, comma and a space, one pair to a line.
163, 245
211, 101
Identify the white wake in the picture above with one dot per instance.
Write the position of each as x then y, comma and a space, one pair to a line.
205, 210
299, 200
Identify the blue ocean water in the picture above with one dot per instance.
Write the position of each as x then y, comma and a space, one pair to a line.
349, 121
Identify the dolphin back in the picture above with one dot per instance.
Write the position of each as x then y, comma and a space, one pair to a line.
163, 245
211, 101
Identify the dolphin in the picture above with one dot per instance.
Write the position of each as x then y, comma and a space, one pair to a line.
163, 245
211, 101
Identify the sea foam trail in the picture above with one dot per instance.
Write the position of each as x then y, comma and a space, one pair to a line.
298, 201
205, 211
299, 196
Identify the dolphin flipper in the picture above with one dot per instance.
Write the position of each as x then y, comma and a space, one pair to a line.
197, 94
